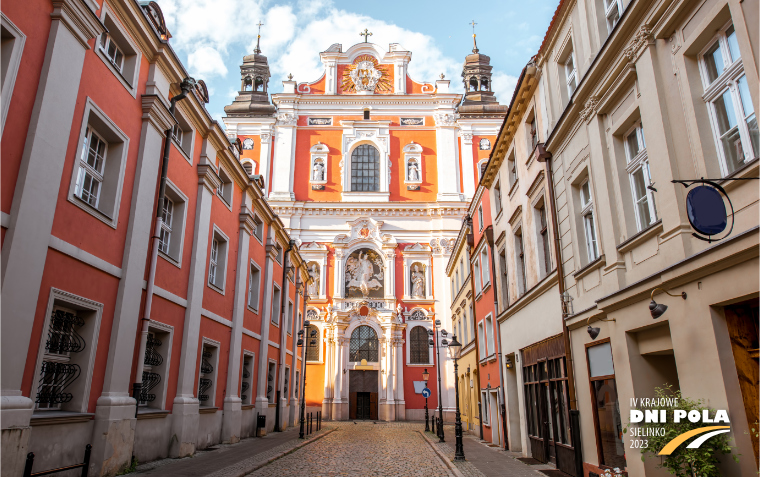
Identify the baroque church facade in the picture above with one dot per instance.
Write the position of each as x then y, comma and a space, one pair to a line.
371, 173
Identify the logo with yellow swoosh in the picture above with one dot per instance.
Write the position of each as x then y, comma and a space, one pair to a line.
706, 433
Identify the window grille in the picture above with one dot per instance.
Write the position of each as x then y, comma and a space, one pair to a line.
57, 372
150, 379
420, 349
365, 169
204, 384
364, 345
312, 342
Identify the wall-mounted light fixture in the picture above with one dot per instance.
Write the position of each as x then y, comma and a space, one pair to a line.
508, 362
657, 309
594, 332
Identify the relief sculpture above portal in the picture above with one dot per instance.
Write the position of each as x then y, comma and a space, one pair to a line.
364, 274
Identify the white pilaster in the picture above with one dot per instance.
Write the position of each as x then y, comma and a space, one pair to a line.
265, 157
284, 156
448, 155
469, 179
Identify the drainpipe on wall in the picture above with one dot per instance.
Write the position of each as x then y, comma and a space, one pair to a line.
471, 245
497, 332
283, 338
186, 86
546, 157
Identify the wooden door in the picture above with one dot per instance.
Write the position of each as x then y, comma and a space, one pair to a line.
373, 406
352, 405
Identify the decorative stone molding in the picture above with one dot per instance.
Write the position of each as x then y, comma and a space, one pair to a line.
445, 119
641, 39
590, 109
246, 221
375, 211
287, 119
442, 245
467, 139
78, 19
265, 138
155, 111
208, 177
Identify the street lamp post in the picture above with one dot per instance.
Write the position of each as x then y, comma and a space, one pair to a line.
425, 376
438, 364
455, 350
302, 343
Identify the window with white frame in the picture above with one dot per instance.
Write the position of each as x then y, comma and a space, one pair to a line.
208, 374
504, 279
512, 169
482, 352
254, 287
640, 177
112, 51
246, 383
165, 235
10, 59
571, 73
732, 114
491, 349
587, 216
532, 131
419, 349
472, 321
271, 381
476, 272
485, 407
480, 217
497, 197
286, 381
522, 280
275, 318
224, 189
484, 266
313, 342
542, 225
173, 217
258, 228
155, 366
97, 179
298, 383
289, 318
612, 11
118, 51
217, 262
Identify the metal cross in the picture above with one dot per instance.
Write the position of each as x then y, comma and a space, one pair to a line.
259, 24
473, 26
365, 34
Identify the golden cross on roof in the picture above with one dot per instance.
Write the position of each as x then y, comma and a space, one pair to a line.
474, 42
258, 39
365, 34
259, 24
473, 26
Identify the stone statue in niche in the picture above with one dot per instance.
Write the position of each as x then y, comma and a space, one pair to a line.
318, 173
418, 282
364, 274
313, 288
414, 172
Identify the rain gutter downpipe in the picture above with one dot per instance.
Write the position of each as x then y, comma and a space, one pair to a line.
186, 86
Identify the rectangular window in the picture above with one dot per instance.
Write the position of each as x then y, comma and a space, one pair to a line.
587, 216
271, 381
512, 167
472, 322
224, 189
276, 306
482, 352
112, 51
289, 322
258, 228
298, 383
10, 59
476, 270
497, 197
254, 287
217, 263
480, 218
91, 168
732, 114
571, 74
532, 130
485, 266
612, 10
286, 382
520, 259
208, 373
165, 235
247, 381
155, 366
504, 279
607, 419
484, 407
212, 264
638, 171
543, 234
491, 349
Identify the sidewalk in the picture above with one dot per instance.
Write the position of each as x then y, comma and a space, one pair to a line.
229, 459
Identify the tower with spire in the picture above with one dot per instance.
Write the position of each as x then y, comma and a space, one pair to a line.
252, 98
479, 99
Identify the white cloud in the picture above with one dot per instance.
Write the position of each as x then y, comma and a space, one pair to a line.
503, 85
206, 62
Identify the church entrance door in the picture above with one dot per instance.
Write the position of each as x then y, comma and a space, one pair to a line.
362, 395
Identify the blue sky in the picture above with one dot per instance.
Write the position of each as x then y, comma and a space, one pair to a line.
211, 37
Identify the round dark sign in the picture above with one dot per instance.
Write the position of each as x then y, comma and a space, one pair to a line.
706, 210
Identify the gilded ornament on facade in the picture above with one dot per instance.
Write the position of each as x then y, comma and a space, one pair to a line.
366, 75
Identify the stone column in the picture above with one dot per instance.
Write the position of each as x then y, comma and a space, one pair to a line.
329, 361
185, 415
233, 413
32, 212
265, 158
469, 174
400, 403
389, 364
337, 401
262, 403
390, 272
448, 155
284, 157
338, 268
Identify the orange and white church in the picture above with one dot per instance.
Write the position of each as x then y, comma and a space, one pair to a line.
371, 172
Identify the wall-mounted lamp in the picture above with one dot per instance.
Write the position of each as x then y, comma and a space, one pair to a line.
594, 332
508, 362
657, 309
344, 371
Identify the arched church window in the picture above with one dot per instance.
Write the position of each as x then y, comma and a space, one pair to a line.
364, 345
247, 83
473, 84
484, 84
365, 169
312, 343
259, 84
419, 350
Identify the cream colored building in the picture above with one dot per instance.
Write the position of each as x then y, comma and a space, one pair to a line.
688, 72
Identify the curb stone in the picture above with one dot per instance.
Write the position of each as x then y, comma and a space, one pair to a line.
446, 460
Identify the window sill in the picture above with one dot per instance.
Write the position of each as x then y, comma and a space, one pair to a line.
149, 413
271, 404
598, 263
48, 418
181, 149
170, 259
640, 237
207, 410
513, 189
216, 288
246, 407
224, 201
253, 310
417, 365
106, 219
118, 74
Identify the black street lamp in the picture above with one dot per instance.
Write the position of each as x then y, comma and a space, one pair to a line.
302, 343
438, 364
455, 350
425, 376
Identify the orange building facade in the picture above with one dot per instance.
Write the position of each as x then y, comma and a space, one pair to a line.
371, 173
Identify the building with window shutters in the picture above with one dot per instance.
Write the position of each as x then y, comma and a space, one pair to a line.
86, 89
371, 172
627, 97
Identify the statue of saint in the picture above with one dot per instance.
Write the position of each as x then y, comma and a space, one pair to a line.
313, 288
318, 173
418, 282
414, 172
